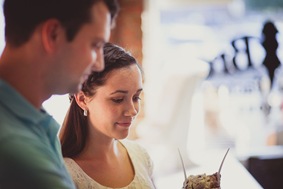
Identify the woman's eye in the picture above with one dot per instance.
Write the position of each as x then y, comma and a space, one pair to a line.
117, 100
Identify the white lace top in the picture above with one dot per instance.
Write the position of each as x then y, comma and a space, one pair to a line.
142, 165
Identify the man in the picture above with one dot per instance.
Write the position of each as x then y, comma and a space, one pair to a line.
51, 47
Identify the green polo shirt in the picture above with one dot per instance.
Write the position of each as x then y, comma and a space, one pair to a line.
30, 153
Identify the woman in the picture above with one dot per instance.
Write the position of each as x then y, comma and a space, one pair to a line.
99, 117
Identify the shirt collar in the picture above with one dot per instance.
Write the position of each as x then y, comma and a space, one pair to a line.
18, 105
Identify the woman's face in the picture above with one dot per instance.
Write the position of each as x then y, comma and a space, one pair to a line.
115, 104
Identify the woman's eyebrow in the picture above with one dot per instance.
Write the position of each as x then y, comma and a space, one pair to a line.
120, 91
124, 91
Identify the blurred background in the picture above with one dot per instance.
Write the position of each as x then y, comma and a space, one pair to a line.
213, 80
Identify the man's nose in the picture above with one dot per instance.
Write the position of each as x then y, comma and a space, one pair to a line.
99, 62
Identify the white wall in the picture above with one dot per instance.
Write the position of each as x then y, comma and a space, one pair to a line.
57, 106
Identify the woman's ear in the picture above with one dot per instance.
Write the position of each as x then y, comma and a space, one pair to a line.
81, 100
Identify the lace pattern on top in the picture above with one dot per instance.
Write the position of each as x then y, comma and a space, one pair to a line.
140, 159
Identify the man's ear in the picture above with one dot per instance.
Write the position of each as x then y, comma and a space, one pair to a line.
81, 100
51, 32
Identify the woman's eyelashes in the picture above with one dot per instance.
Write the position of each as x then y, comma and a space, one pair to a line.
120, 100
117, 100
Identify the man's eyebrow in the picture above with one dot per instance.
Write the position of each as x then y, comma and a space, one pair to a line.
124, 91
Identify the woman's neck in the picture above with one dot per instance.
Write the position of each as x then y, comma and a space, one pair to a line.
101, 149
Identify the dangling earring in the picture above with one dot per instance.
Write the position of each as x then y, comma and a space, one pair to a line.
85, 112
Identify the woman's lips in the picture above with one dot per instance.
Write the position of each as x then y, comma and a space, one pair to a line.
128, 124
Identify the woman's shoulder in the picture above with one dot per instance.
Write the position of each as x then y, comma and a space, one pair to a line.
67, 159
137, 151
141, 161
132, 145
77, 174
73, 168
69, 162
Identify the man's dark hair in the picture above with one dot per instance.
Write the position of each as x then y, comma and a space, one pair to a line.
23, 16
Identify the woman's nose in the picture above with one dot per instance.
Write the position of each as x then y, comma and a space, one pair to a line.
132, 110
